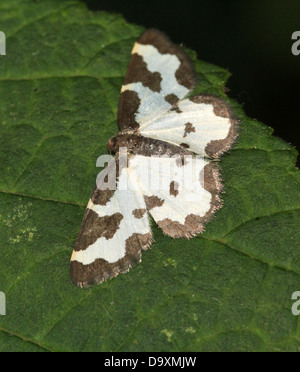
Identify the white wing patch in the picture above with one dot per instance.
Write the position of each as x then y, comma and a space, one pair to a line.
192, 124
111, 252
180, 196
125, 202
159, 74
153, 103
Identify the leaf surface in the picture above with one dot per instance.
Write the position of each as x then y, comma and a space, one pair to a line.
228, 289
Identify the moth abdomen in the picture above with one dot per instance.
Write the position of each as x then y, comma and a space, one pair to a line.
140, 145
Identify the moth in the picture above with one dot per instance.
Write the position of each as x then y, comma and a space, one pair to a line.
164, 163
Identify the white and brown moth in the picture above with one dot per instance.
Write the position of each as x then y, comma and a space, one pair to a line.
158, 126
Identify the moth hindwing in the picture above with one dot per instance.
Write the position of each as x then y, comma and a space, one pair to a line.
163, 164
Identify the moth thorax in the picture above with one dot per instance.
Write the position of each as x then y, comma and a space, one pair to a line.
130, 141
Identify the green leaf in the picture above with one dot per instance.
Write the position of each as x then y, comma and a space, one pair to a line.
228, 289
